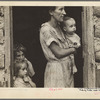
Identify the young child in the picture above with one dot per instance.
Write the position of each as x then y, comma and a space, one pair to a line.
19, 54
21, 77
69, 28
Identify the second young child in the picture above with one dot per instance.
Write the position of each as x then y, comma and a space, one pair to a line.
22, 79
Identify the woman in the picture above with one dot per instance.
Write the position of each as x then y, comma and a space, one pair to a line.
58, 72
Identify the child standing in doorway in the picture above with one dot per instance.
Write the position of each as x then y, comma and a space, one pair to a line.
22, 79
19, 54
69, 28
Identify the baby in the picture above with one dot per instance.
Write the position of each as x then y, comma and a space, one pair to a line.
73, 40
19, 54
22, 79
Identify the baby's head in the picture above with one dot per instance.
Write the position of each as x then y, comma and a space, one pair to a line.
20, 68
69, 25
19, 52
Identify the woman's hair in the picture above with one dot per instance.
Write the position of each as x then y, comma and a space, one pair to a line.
19, 47
51, 8
18, 65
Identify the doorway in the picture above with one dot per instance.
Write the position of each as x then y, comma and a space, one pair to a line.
26, 24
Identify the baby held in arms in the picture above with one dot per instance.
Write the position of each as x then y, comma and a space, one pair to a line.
73, 40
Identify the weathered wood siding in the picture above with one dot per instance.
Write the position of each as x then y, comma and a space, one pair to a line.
88, 48
4, 46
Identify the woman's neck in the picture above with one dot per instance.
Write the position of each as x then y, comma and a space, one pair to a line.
53, 23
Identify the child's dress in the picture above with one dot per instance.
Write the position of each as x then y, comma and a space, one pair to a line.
19, 82
71, 41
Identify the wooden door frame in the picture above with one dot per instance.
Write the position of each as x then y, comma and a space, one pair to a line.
88, 48
8, 45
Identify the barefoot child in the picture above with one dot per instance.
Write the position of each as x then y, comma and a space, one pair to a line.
69, 28
22, 79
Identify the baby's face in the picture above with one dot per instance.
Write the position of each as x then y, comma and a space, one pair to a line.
70, 26
20, 55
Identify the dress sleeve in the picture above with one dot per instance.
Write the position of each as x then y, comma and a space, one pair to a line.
48, 35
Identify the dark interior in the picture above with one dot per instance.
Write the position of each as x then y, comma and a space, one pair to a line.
26, 25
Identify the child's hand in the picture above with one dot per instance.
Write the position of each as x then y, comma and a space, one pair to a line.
75, 45
71, 46
26, 79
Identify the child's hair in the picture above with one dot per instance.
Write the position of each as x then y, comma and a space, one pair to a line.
63, 23
18, 65
19, 47
65, 19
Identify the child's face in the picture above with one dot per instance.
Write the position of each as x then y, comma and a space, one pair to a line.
23, 70
20, 55
70, 26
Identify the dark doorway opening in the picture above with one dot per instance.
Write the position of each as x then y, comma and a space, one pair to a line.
26, 24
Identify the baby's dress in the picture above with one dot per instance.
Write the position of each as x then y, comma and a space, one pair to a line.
74, 39
71, 41
58, 72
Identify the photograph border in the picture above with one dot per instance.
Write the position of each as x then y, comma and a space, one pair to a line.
59, 93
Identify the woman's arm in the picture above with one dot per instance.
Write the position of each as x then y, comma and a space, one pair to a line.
59, 52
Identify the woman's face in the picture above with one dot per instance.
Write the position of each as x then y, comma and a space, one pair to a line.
58, 13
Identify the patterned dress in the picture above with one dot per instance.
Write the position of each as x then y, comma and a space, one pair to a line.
58, 72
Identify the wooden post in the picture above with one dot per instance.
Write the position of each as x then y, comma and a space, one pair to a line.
7, 28
88, 48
